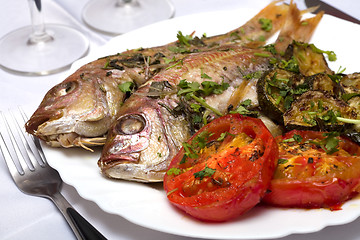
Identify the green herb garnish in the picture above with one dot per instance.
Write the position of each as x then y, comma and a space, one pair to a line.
266, 24
223, 136
243, 109
253, 75
193, 90
348, 96
204, 75
192, 150
207, 172
330, 143
282, 161
127, 87
270, 48
331, 54
174, 171
296, 138
291, 65
184, 39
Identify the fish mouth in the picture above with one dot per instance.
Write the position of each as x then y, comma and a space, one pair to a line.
128, 168
34, 122
110, 161
38, 119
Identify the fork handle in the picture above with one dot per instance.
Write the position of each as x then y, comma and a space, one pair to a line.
80, 226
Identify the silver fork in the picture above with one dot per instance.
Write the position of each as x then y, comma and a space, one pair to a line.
32, 174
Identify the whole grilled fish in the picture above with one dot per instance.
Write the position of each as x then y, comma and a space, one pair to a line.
79, 110
153, 123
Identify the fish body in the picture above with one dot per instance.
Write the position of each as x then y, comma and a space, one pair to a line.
80, 116
146, 135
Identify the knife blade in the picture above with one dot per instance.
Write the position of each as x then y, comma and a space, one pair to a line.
328, 9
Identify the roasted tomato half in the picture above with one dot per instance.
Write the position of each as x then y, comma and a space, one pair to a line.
315, 169
223, 170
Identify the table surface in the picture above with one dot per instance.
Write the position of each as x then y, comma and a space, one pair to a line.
27, 217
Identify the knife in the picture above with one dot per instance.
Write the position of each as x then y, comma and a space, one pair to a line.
330, 10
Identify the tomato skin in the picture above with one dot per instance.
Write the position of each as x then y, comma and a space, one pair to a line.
247, 178
309, 187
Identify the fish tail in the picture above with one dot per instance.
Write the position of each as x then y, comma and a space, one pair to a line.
254, 33
309, 25
295, 28
275, 14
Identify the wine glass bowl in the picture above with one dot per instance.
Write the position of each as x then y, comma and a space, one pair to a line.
40, 49
120, 16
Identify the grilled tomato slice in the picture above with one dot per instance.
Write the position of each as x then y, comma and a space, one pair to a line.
223, 170
315, 169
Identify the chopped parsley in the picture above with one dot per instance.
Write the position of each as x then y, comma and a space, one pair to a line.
169, 60
331, 54
348, 96
292, 65
296, 138
330, 143
204, 75
262, 55
223, 135
175, 64
348, 120
282, 161
193, 90
270, 48
244, 109
192, 150
174, 171
183, 39
335, 77
127, 87
253, 75
183, 45
266, 24
207, 172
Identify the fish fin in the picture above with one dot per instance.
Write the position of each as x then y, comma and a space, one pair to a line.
252, 33
295, 28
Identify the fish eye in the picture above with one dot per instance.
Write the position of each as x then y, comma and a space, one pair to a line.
67, 88
131, 124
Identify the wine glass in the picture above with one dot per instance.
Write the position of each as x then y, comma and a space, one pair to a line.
120, 16
40, 49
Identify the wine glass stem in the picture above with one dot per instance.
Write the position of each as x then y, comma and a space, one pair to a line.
39, 34
123, 3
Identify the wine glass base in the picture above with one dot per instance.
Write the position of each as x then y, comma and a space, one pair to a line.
108, 17
17, 55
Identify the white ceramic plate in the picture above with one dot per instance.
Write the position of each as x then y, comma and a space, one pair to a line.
146, 204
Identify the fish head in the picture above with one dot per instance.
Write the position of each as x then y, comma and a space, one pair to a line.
143, 140
77, 110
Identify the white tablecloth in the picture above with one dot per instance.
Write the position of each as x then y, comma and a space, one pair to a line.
27, 217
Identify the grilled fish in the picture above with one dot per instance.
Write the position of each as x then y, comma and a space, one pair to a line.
151, 125
79, 110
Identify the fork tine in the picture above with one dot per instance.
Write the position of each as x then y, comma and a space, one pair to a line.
7, 148
19, 144
32, 142
35, 141
27, 153
7, 158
